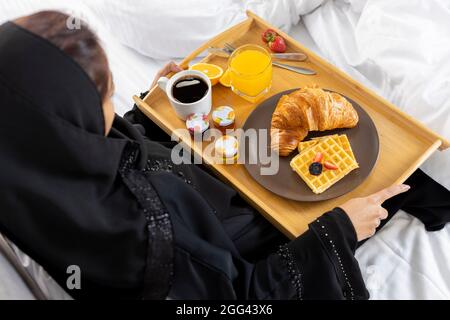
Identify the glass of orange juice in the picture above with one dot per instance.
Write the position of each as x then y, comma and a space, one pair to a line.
250, 72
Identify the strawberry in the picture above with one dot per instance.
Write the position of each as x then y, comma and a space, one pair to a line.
329, 165
268, 35
277, 45
318, 157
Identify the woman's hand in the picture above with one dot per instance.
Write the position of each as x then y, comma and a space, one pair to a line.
168, 68
366, 213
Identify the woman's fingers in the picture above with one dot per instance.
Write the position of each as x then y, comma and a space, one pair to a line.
375, 218
392, 191
377, 223
170, 67
366, 213
175, 68
383, 214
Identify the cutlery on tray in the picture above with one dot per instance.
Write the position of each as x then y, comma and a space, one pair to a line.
290, 56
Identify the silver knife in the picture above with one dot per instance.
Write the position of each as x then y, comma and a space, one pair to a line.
291, 56
294, 69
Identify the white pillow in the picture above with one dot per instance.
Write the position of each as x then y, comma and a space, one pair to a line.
12, 9
164, 29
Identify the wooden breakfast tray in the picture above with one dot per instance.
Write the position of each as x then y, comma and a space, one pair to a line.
404, 142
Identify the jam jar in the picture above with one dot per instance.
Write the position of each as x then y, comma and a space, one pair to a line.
197, 123
223, 118
226, 149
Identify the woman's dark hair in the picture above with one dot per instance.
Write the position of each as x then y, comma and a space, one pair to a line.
81, 44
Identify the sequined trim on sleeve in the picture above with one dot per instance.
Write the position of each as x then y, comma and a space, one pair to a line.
293, 270
159, 264
348, 290
165, 165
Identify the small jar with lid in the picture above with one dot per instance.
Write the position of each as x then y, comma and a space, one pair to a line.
197, 123
226, 149
224, 118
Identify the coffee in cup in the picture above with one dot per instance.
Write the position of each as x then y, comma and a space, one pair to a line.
189, 92
190, 89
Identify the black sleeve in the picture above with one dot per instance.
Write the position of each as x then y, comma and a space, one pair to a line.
321, 261
319, 264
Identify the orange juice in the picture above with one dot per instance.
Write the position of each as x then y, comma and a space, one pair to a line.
250, 72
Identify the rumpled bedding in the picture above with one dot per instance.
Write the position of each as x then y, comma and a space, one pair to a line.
397, 48
163, 29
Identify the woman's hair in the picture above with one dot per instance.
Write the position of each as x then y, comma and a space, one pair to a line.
81, 44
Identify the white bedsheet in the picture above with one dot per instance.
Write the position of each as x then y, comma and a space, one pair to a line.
399, 49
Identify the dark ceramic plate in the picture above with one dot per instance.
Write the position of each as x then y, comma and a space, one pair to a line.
286, 182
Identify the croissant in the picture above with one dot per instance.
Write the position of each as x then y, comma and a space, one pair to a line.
308, 109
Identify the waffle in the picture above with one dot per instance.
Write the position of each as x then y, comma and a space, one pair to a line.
324, 137
345, 144
342, 140
332, 152
306, 144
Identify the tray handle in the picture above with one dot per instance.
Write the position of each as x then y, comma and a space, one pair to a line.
408, 172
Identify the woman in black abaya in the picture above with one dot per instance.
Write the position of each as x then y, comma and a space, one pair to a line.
137, 225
